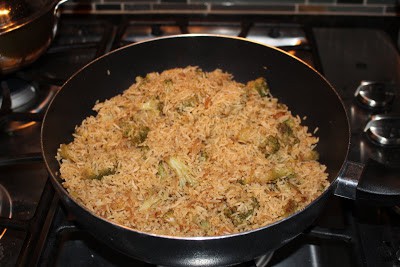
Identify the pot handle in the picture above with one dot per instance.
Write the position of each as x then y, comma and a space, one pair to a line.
373, 182
57, 6
60, 2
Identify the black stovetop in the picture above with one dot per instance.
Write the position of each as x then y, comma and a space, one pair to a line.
36, 230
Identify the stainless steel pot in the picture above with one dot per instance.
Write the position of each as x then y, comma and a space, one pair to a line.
27, 28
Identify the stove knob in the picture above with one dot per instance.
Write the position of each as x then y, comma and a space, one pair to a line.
384, 129
375, 95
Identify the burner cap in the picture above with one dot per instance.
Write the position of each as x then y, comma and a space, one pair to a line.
375, 95
22, 93
384, 129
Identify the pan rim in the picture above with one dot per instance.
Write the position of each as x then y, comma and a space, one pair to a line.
56, 179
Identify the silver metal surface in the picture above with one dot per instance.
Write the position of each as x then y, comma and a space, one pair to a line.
277, 35
15, 14
347, 182
263, 260
351, 55
22, 93
230, 29
384, 129
142, 31
26, 36
375, 94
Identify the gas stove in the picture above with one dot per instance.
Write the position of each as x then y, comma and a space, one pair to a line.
361, 63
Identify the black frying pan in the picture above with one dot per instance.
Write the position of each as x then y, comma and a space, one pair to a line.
296, 84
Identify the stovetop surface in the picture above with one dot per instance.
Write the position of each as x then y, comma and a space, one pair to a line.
39, 231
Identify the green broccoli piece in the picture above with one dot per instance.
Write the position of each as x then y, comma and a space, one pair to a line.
136, 135
184, 172
260, 85
152, 105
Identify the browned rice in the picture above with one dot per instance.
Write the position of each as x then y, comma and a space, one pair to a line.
217, 130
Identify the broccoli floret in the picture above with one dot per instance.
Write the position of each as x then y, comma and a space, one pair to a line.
141, 135
189, 102
245, 135
203, 156
152, 105
184, 172
287, 135
64, 152
260, 85
238, 218
161, 170
204, 224
168, 82
149, 202
100, 174
311, 155
270, 146
169, 216
136, 135
277, 173
285, 129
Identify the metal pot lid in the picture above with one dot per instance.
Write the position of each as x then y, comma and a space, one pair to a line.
16, 13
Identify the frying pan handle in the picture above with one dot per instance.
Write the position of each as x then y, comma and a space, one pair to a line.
379, 184
347, 182
373, 182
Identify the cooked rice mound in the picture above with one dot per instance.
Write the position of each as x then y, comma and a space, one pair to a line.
192, 153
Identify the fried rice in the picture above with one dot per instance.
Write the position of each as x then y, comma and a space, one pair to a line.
191, 153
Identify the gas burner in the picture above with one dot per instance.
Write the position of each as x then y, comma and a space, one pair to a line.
278, 35
141, 31
5, 207
375, 95
231, 29
384, 130
263, 260
21, 117
22, 93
